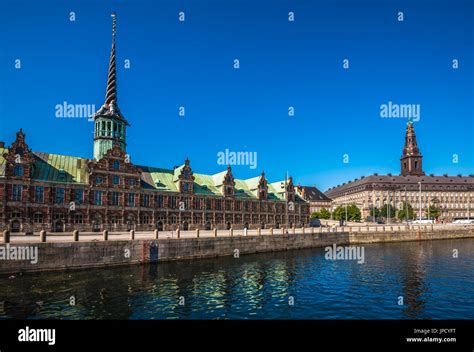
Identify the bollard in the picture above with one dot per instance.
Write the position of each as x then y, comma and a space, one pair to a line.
156, 233
197, 233
132, 234
6, 236
231, 232
259, 231
105, 234
271, 230
42, 236
178, 232
283, 230
215, 231
75, 235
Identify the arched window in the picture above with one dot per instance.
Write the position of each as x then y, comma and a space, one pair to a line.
116, 164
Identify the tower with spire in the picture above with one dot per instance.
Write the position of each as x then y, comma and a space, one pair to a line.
110, 125
411, 160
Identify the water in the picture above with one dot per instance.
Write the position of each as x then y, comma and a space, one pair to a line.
433, 284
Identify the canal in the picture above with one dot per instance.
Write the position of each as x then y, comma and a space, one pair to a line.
410, 280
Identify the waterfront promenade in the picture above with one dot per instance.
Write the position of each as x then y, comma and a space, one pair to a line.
68, 251
153, 235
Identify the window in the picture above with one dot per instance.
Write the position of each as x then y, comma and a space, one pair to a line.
116, 180
146, 200
79, 195
130, 199
38, 218
116, 165
99, 180
39, 194
59, 196
18, 170
159, 201
145, 219
131, 182
173, 202
115, 198
78, 219
98, 197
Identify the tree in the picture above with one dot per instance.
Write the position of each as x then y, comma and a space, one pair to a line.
353, 213
324, 214
315, 215
339, 213
433, 212
406, 212
374, 212
387, 210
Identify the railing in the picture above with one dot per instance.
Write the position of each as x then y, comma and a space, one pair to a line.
105, 235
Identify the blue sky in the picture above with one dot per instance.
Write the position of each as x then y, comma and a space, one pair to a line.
282, 64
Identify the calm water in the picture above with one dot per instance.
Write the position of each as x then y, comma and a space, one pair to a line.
434, 285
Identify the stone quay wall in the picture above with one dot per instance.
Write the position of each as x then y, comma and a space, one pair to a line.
68, 255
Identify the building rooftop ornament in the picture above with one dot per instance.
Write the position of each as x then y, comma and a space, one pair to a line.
110, 106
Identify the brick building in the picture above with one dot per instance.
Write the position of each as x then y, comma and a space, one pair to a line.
61, 193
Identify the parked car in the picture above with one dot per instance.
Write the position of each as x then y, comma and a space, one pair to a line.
315, 223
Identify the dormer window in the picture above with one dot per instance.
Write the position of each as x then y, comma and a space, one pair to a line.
62, 174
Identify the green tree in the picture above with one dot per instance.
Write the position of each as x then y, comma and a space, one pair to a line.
433, 212
324, 214
387, 210
374, 211
339, 213
353, 213
406, 212
315, 215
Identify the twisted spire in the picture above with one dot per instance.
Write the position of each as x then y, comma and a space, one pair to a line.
111, 94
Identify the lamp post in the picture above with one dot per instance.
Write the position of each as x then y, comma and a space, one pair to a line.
406, 206
345, 198
388, 207
419, 184
373, 203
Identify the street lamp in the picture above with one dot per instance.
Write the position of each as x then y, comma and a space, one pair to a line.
388, 206
406, 206
419, 183
345, 198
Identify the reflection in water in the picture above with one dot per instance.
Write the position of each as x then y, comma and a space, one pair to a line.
433, 284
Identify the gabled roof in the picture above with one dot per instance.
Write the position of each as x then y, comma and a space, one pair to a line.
313, 194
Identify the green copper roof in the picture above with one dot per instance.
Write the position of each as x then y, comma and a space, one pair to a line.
68, 169
60, 168
2, 161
